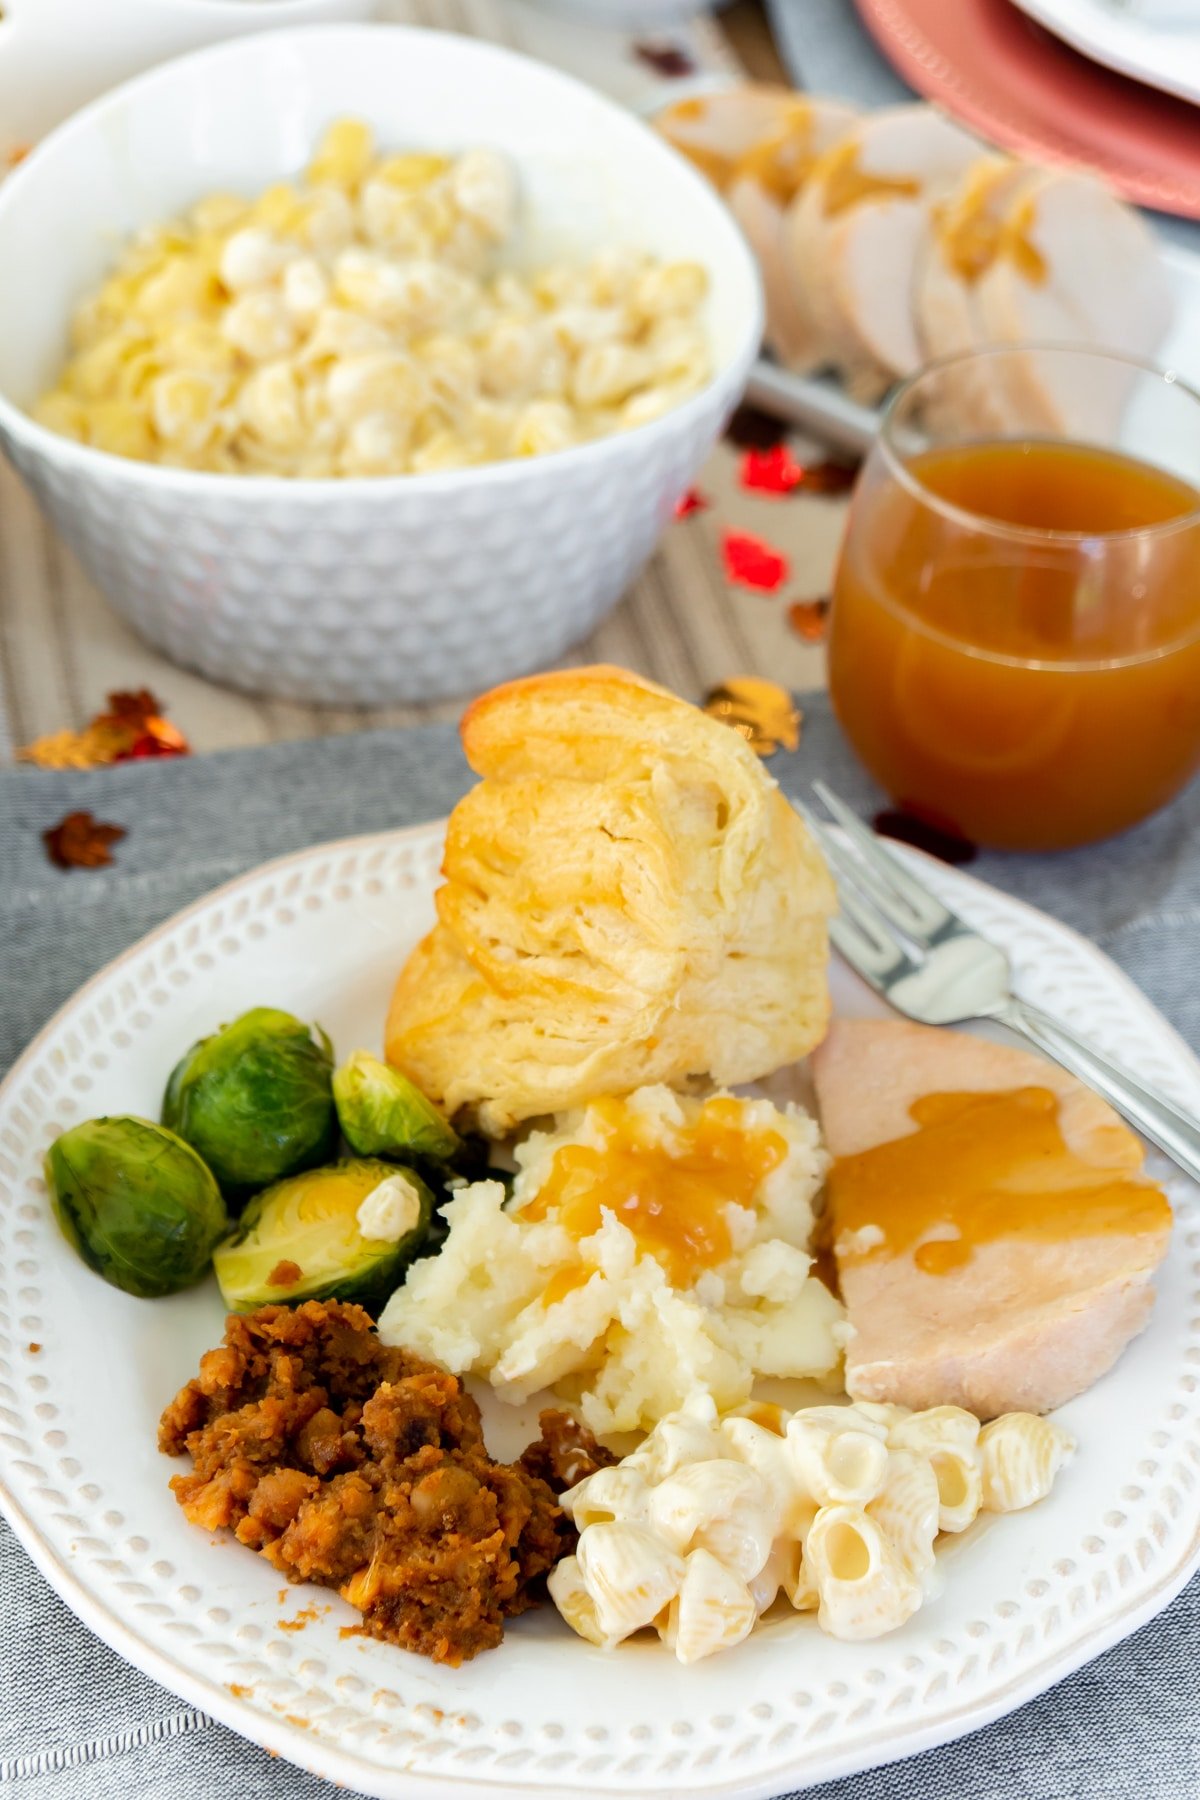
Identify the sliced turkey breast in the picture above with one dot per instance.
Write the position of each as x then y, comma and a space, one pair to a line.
994, 1253
762, 186
963, 241
855, 233
1074, 264
715, 131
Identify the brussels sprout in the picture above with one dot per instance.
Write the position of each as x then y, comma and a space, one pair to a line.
136, 1202
346, 1232
383, 1114
255, 1100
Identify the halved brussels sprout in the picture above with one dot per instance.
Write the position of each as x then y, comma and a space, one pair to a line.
136, 1202
383, 1114
346, 1232
255, 1100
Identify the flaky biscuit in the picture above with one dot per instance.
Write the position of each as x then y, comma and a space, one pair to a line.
628, 899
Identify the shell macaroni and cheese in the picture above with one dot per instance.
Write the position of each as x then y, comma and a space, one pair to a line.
369, 320
709, 1520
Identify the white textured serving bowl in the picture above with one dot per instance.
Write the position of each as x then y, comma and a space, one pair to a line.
55, 55
361, 591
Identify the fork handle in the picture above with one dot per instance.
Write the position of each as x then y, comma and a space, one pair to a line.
1163, 1123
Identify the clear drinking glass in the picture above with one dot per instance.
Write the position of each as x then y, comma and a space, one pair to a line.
1014, 644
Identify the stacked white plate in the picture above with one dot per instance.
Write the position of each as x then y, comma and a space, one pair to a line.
1154, 41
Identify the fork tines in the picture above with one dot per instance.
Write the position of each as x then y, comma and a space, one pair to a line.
885, 910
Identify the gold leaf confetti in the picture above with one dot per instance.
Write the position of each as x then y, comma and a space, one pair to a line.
763, 712
101, 742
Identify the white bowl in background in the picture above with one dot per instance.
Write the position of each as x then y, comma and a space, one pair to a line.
55, 55
397, 588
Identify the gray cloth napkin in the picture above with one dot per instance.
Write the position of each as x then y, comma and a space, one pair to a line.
74, 1718
828, 50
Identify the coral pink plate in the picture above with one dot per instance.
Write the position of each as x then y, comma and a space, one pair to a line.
994, 69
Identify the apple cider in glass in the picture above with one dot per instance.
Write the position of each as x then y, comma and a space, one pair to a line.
1015, 637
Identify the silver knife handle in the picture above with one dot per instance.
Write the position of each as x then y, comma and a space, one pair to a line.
1175, 1133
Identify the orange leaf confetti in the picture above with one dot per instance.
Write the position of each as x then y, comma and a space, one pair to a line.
753, 563
774, 472
158, 738
691, 502
80, 841
761, 711
809, 619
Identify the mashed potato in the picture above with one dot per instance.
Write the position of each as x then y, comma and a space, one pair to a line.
652, 1248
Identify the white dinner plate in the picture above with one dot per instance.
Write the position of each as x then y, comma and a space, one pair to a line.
85, 1371
1163, 56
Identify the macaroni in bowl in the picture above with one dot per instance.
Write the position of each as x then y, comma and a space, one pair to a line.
359, 324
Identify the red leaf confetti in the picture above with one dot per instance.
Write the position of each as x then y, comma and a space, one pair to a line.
160, 738
80, 841
775, 471
751, 562
691, 502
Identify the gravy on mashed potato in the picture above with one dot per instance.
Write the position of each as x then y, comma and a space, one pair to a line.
652, 1248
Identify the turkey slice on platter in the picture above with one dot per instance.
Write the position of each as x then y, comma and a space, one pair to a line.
761, 188
856, 232
965, 238
1074, 265
716, 130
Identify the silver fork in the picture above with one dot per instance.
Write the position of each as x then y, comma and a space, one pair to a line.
933, 967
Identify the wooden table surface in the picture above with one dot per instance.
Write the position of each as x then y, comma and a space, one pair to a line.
62, 648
